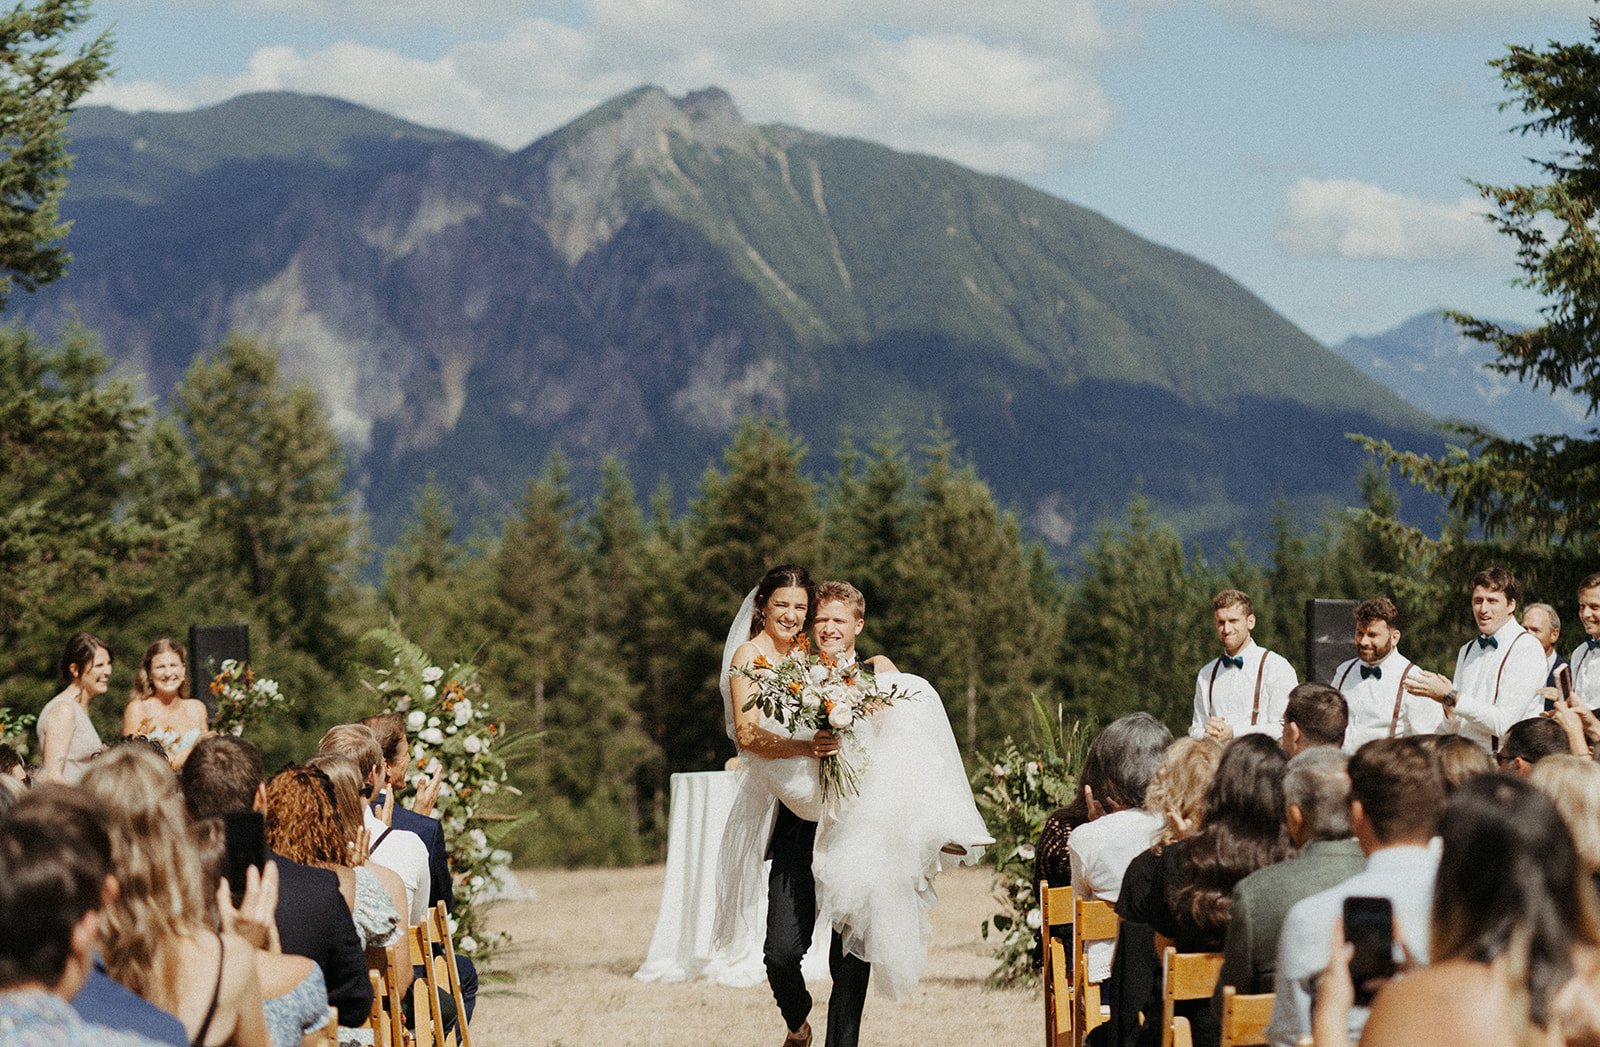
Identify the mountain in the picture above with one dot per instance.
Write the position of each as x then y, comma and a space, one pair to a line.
1429, 363
637, 280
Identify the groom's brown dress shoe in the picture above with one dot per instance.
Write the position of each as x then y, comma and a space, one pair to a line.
801, 1038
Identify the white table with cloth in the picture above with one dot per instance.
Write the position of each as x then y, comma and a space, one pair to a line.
681, 947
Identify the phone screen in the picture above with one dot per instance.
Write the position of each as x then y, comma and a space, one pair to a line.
1369, 926
245, 835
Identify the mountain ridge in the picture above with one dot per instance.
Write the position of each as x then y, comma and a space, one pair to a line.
639, 278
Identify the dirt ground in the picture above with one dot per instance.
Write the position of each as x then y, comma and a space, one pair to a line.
578, 944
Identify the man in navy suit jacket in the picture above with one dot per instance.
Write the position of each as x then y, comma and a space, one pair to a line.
223, 776
391, 731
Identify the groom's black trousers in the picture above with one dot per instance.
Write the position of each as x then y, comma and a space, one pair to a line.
791, 916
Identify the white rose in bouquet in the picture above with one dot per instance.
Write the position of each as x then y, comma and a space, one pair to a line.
817, 674
432, 674
429, 692
463, 712
809, 699
473, 744
433, 736
841, 717
417, 720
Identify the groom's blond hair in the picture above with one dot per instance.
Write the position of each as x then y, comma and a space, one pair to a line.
845, 592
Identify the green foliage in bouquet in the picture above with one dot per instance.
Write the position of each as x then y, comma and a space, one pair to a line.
242, 697
448, 720
1015, 790
14, 729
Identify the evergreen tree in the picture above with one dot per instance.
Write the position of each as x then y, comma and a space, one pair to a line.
871, 511
39, 86
972, 626
1139, 624
615, 544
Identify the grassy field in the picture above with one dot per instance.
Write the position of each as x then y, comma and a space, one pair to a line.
578, 944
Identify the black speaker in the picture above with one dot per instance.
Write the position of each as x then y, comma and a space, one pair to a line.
1330, 637
211, 645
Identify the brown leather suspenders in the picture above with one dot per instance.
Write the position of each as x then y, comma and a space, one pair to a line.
1255, 703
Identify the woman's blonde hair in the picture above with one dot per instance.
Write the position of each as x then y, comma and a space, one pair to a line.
1573, 784
345, 774
159, 902
1180, 784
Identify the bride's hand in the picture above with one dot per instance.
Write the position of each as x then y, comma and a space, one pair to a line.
826, 743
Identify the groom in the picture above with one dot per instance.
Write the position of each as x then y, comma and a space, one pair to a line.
791, 891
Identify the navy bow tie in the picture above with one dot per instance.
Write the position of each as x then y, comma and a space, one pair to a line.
1374, 672
1488, 641
1237, 661
1593, 643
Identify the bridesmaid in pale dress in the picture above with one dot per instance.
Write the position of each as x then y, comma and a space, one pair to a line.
67, 738
159, 706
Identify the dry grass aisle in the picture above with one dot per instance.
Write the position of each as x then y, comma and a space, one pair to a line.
578, 945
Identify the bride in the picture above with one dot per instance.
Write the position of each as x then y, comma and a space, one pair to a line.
875, 854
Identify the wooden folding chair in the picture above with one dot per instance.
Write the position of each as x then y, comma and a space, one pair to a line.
439, 929
1184, 976
393, 977
427, 1024
1245, 1017
1092, 921
378, 1018
1056, 910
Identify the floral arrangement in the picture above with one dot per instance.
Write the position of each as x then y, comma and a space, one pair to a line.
449, 724
242, 697
1015, 791
14, 725
806, 690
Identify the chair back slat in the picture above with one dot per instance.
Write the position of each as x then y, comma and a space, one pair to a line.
1245, 1017
1092, 921
1184, 976
439, 927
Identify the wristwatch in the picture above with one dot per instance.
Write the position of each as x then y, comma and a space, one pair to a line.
1449, 700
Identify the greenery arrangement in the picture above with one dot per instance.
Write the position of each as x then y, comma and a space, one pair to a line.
243, 699
448, 721
14, 729
1016, 788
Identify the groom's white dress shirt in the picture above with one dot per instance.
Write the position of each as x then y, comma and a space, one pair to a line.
1230, 692
1371, 700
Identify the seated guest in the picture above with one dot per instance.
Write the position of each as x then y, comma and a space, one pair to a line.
1514, 932
223, 776
294, 996
390, 730
305, 824
1116, 776
1316, 798
1396, 798
1177, 795
390, 846
1316, 715
1530, 741
154, 934
12, 765
1188, 895
55, 865
1459, 759
1573, 785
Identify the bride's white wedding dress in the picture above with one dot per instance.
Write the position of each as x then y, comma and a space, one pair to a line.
877, 853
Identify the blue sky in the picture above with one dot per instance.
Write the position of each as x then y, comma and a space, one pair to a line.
1315, 150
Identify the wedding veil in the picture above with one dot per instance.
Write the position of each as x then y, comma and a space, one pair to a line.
738, 635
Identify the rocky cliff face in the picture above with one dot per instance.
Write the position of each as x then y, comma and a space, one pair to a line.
637, 280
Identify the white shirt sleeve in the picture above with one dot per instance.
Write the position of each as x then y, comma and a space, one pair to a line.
1280, 680
1197, 729
1522, 674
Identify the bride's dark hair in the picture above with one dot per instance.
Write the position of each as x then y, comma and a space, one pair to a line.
783, 576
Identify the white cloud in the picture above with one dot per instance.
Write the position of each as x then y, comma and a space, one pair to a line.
1344, 218
1331, 19
990, 85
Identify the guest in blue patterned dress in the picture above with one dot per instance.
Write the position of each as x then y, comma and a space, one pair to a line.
55, 855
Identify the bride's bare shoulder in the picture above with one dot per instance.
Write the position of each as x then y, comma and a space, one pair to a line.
880, 663
746, 653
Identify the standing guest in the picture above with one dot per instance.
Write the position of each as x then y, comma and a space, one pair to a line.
1584, 668
1528, 742
1498, 673
1187, 895
156, 941
159, 706
1316, 715
1541, 620
1373, 682
1116, 774
1316, 795
222, 777
390, 846
55, 877
67, 738
1244, 689
1396, 799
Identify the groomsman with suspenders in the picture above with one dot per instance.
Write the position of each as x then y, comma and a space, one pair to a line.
1373, 683
1245, 690
1583, 668
1498, 673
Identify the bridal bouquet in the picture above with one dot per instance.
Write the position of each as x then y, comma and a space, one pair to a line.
808, 690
